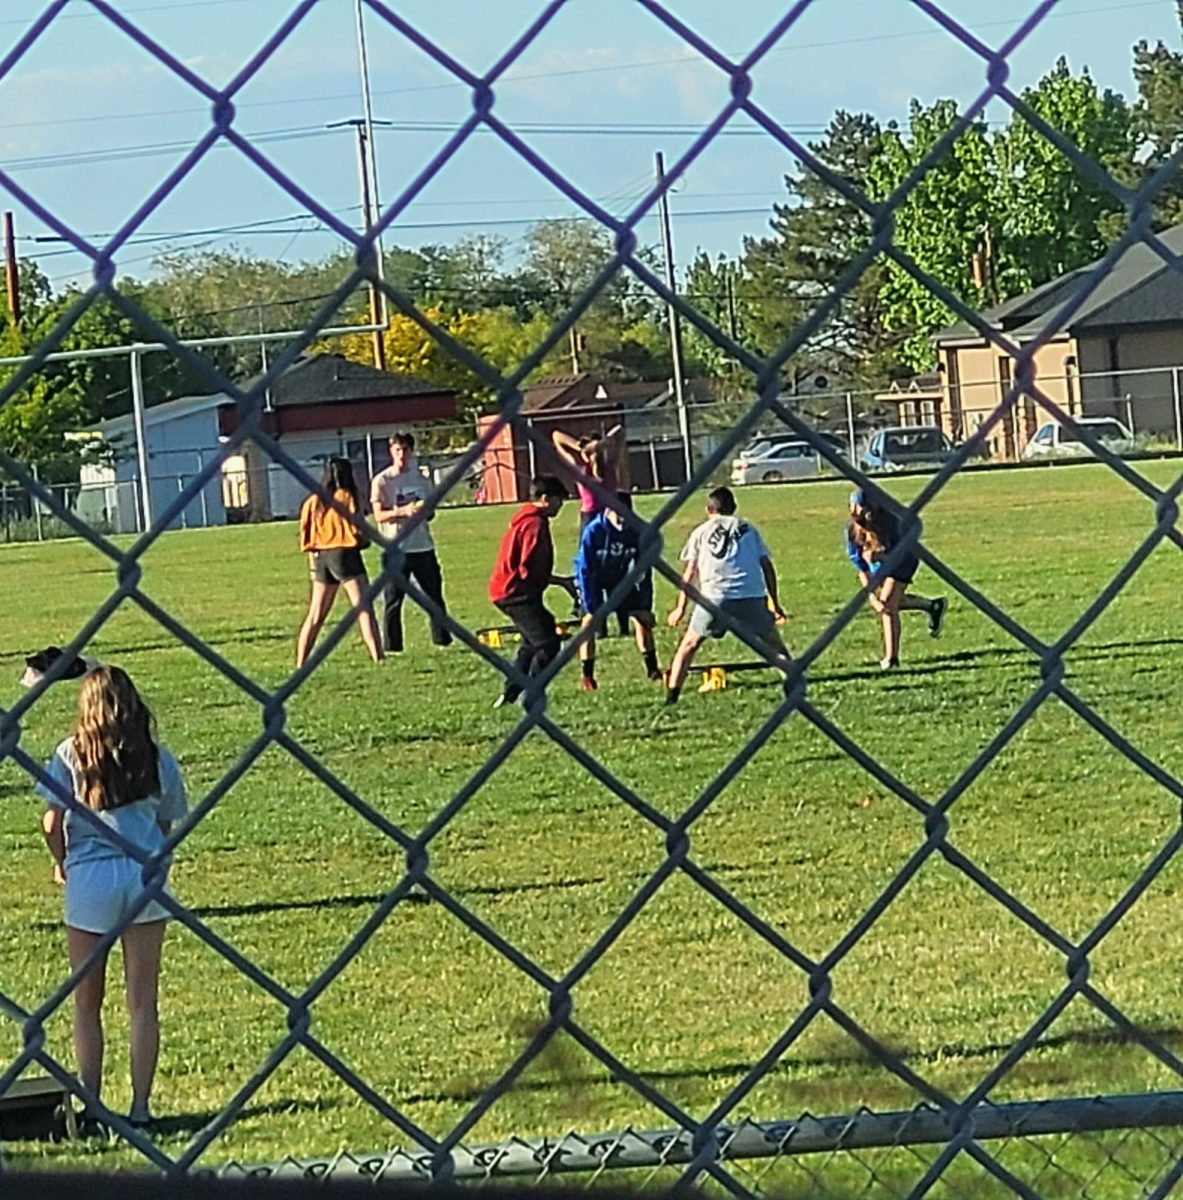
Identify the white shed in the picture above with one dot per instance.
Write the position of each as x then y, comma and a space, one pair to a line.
181, 436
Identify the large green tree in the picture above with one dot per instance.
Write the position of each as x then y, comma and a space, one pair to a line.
997, 213
1158, 121
815, 236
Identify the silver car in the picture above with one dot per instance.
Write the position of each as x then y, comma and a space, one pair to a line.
770, 459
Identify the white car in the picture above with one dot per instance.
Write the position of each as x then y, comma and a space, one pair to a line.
770, 459
1054, 441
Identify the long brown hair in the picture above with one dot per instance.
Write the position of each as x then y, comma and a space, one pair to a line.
114, 742
866, 537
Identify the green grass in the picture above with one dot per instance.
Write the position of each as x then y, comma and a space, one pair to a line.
688, 996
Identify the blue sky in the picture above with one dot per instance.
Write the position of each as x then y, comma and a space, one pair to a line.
92, 123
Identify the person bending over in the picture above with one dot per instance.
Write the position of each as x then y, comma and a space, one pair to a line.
608, 549
523, 571
735, 573
871, 534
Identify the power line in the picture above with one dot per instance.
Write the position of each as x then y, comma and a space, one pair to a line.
1060, 12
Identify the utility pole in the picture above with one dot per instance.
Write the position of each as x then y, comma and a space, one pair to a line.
361, 127
12, 276
667, 246
378, 313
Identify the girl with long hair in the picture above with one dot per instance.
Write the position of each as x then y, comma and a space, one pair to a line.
334, 549
113, 766
872, 533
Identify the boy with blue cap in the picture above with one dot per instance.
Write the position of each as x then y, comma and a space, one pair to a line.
872, 533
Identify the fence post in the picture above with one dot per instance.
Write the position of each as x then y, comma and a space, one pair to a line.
135, 363
204, 503
1178, 408
37, 504
653, 465
4, 502
1129, 413
530, 449
850, 424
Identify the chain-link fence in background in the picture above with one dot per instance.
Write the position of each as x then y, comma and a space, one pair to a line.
1121, 1144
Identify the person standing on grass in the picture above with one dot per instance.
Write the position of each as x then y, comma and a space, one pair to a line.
334, 549
599, 458
396, 495
735, 573
608, 549
871, 534
113, 766
596, 457
523, 571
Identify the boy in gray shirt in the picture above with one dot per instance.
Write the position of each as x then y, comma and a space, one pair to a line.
735, 573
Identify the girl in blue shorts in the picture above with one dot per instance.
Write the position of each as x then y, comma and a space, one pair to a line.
113, 766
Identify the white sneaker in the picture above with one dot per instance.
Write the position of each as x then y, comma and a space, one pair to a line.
889, 664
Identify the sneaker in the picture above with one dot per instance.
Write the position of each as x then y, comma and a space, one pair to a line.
140, 1120
587, 684
506, 697
657, 675
936, 616
889, 664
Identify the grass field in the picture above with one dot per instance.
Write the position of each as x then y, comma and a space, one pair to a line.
688, 996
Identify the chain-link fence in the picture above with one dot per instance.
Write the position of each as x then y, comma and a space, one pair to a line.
967, 1141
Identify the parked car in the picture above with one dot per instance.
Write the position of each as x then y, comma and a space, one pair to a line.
1052, 440
774, 457
903, 446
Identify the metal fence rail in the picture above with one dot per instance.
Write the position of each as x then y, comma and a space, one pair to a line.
708, 1149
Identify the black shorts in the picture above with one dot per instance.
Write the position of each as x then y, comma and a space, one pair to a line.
905, 570
336, 566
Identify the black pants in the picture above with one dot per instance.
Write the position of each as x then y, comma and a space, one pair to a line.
424, 568
540, 639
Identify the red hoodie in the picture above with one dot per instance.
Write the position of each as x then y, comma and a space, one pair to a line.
526, 560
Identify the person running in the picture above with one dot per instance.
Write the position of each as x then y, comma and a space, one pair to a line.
735, 573
608, 549
113, 766
334, 549
396, 495
523, 571
871, 534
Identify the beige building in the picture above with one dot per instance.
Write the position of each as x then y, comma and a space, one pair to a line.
1119, 353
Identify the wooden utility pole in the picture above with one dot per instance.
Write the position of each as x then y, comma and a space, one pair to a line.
369, 218
12, 277
667, 246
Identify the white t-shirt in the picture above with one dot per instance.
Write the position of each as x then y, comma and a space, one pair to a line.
727, 553
136, 822
396, 488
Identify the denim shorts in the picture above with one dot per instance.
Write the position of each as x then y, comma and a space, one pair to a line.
100, 894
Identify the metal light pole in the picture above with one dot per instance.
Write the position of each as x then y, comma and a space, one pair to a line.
667, 246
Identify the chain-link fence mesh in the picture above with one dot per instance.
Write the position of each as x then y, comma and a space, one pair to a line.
962, 1142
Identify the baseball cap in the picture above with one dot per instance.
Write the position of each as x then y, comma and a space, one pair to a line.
858, 497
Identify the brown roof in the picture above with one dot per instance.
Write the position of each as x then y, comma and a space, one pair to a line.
566, 392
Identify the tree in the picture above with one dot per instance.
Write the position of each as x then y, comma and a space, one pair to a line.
1054, 218
815, 236
997, 214
1158, 122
